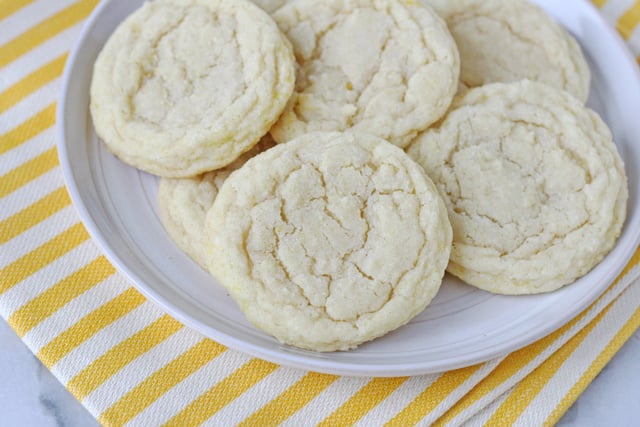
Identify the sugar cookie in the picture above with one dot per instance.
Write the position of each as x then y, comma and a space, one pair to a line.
329, 240
186, 86
183, 203
385, 67
509, 40
534, 186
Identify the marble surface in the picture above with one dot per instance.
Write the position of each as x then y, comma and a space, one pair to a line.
31, 396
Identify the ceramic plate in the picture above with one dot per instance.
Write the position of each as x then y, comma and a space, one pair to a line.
462, 326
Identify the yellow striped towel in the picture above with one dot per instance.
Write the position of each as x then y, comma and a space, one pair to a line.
129, 363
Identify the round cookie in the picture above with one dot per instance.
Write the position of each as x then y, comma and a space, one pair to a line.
183, 203
186, 86
329, 240
509, 40
386, 67
535, 188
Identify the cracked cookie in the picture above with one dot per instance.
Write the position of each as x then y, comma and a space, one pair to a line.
385, 67
509, 40
329, 240
183, 203
535, 188
186, 86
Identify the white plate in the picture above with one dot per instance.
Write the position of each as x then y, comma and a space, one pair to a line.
462, 326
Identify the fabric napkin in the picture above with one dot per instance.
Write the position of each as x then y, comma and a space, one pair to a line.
130, 363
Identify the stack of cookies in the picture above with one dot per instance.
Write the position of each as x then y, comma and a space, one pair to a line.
328, 161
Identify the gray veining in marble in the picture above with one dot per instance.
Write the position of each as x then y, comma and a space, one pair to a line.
31, 396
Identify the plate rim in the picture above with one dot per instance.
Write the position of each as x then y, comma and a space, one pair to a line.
302, 361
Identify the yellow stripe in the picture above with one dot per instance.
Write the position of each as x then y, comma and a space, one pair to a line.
152, 388
505, 370
599, 3
53, 299
519, 359
45, 30
524, 393
34, 214
221, 394
9, 7
634, 261
89, 325
621, 337
120, 355
28, 171
509, 367
291, 401
363, 401
25, 266
629, 20
33, 126
432, 396
32, 82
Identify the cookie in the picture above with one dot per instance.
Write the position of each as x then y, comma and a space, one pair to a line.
535, 188
329, 240
186, 86
184, 202
509, 40
386, 67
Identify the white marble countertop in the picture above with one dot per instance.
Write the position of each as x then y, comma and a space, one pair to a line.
31, 396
